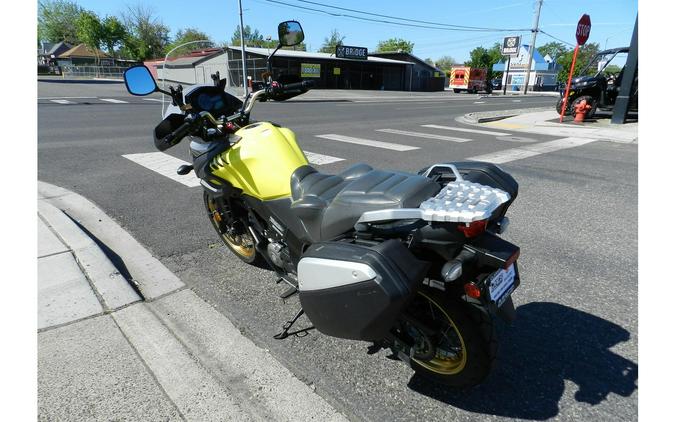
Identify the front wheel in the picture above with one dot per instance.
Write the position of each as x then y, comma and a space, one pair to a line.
455, 343
568, 109
233, 231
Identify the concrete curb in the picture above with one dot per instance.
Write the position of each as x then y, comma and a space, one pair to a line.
114, 291
491, 116
149, 274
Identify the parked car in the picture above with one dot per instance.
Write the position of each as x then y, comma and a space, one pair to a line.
496, 84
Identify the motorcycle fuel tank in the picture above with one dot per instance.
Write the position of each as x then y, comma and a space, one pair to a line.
261, 162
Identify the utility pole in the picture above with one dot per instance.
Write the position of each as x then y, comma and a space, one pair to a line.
243, 49
532, 44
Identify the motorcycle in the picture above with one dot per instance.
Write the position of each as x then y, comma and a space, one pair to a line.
413, 263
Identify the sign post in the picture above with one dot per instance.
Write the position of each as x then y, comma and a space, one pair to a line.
583, 31
510, 47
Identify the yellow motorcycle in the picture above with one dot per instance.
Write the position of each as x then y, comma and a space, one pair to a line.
409, 262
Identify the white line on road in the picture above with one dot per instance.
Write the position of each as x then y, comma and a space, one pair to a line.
62, 101
159, 100
320, 159
56, 98
479, 102
516, 101
532, 150
165, 165
114, 101
425, 135
368, 142
461, 129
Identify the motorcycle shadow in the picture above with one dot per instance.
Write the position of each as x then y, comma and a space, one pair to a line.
547, 344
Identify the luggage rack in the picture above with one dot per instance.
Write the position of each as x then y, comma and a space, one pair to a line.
460, 201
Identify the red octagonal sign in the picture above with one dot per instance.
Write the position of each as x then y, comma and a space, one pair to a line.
583, 29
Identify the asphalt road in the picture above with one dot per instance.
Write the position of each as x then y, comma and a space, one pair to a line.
570, 355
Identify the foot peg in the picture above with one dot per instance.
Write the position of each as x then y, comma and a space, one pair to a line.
288, 293
184, 169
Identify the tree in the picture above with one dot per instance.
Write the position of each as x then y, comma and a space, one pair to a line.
394, 45
187, 35
586, 53
113, 34
554, 49
483, 57
445, 63
252, 38
329, 43
429, 61
90, 31
147, 37
56, 21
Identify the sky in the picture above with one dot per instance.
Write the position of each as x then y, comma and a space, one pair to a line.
612, 20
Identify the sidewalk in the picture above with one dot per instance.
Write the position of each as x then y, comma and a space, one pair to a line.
129, 341
545, 122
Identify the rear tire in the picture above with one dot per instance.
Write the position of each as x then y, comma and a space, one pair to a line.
456, 91
476, 334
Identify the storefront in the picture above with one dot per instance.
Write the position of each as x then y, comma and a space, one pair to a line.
543, 73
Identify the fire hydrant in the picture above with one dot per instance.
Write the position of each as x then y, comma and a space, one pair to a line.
580, 111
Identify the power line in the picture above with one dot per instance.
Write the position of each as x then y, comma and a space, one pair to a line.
443, 28
556, 38
405, 19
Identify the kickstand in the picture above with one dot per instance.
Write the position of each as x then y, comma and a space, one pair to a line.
287, 326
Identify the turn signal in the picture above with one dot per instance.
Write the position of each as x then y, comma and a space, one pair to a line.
473, 228
472, 290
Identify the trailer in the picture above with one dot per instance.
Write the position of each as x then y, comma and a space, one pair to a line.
469, 79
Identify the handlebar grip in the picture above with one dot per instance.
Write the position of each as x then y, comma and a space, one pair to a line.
297, 85
177, 135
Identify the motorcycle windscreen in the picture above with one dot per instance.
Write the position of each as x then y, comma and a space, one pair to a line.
356, 291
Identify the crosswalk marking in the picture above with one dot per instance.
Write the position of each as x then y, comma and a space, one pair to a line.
479, 102
462, 129
165, 165
367, 142
112, 100
62, 101
320, 159
425, 135
532, 150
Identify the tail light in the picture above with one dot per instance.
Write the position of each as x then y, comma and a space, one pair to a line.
472, 290
473, 228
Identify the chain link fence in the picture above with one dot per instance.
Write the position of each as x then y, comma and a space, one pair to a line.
114, 72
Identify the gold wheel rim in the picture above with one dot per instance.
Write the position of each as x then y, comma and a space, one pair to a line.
445, 365
241, 245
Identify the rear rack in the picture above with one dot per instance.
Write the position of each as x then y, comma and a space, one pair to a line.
460, 201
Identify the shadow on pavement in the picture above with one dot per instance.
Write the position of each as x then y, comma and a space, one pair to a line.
546, 345
80, 81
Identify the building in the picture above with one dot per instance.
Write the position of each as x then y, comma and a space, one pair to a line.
48, 52
543, 73
376, 72
81, 55
421, 76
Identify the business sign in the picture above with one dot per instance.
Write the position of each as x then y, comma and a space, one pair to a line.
336, 71
348, 52
510, 46
310, 70
583, 29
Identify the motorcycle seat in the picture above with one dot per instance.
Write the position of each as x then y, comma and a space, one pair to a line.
330, 204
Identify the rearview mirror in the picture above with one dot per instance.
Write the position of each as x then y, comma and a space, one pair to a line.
139, 80
290, 33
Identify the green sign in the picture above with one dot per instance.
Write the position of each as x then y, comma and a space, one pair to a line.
310, 70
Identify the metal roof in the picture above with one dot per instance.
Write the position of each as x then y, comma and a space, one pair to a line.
309, 55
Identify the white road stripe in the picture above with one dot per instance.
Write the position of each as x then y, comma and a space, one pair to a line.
479, 102
461, 129
62, 101
320, 159
165, 165
425, 135
56, 98
112, 100
516, 101
367, 142
531, 150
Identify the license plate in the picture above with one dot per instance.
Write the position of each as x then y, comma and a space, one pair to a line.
502, 284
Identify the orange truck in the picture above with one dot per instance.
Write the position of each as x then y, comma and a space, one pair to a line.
469, 79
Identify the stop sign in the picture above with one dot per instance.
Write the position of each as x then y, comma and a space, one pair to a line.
583, 29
